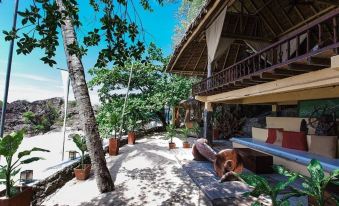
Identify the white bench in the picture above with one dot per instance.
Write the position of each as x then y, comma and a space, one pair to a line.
300, 157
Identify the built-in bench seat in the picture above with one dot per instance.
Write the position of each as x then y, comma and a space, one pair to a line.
300, 157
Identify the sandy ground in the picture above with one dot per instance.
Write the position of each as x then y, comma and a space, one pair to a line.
145, 174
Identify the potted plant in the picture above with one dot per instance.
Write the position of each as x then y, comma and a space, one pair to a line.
15, 195
263, 187
196, 129
170, 133
82, 171
131, 133
185, 132
316, 185
114, 142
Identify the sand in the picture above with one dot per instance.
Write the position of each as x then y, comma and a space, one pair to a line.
144, 174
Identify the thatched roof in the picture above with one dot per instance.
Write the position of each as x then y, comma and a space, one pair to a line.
260, 21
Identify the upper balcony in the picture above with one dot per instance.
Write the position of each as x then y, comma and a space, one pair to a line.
307, 49
260, 41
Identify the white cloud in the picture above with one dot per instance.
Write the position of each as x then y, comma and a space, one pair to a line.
32, 77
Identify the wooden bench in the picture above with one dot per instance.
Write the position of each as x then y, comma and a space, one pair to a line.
257, 162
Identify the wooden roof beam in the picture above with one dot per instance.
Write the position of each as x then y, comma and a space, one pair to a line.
197, 63
329, 2
245, 37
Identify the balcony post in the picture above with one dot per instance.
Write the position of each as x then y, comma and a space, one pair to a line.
208, 127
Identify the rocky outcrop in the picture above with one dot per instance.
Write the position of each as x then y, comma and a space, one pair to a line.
41, 108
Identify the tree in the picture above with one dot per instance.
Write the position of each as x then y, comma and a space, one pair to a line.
118, 32
151, 88
187, 12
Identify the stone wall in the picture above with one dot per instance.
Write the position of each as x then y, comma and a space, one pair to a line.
48, 186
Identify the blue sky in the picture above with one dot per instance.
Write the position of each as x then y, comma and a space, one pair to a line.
32, 80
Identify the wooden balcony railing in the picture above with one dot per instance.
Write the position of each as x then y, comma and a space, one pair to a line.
315, 41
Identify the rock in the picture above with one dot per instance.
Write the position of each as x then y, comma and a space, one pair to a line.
15, 110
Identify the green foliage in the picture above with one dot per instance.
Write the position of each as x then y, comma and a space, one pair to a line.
8, 147
263, 187
187, 12
185, 132
29, 117
109, 120
315, 185
80, 142
42, 123
196, 128
151, 89
170, 132
116, 32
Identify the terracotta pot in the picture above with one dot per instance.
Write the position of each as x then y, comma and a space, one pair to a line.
82, 173
186, 145
24, 198
328, 200
113, 147
131, 137
171, 145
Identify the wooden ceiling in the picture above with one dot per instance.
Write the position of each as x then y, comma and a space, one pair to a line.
261, 21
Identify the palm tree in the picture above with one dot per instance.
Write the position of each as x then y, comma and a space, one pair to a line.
80, 90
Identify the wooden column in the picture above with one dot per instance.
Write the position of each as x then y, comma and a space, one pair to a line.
208, 127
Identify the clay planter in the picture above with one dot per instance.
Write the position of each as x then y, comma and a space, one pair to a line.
82, 173
113, 147
24, 198
186, 145
171, 145
328, 200
131, 137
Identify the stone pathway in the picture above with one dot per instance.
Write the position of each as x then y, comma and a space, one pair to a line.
144, 174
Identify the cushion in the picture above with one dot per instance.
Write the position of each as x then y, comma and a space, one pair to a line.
324, 145
279, 138
272, 135
259, 134
294, 140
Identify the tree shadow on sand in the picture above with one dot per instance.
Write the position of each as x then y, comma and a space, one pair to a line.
153, 182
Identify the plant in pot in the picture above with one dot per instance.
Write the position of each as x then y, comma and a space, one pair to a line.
132, 123
196, 129
114, 142
82, 171
170, 133
15, 195
185, 132
316, 185
261, 186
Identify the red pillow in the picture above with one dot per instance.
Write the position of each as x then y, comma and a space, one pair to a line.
295, 140
272, 135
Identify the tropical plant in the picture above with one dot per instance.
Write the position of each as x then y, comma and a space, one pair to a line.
263, 187
80, 142
170, 132
196, 128
8, 147
315, 185
185, 132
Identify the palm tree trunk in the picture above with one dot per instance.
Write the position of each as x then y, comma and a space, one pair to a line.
80, 89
